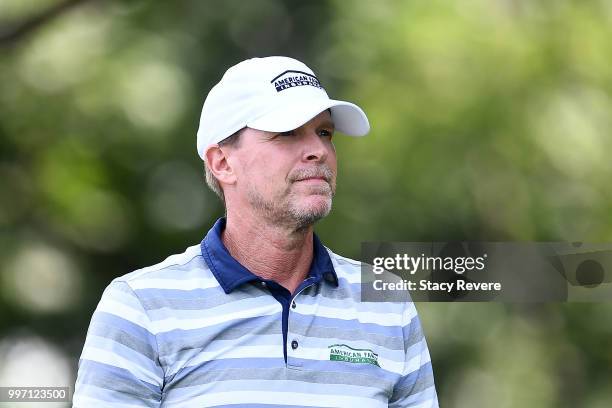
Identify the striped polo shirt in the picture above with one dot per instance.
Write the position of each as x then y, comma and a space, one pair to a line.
200, 330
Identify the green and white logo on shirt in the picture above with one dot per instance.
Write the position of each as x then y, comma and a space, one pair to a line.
342, 352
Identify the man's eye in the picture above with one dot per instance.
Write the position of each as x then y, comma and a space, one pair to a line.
325, 133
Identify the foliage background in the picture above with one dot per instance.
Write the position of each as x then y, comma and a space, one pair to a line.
490, 122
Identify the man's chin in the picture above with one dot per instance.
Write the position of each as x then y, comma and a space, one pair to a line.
317, 203
311, 211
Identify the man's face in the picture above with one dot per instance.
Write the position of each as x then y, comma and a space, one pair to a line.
288, 178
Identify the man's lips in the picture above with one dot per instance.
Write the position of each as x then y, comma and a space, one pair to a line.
313, 179
313, 175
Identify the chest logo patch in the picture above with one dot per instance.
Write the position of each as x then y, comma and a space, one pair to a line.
342, 352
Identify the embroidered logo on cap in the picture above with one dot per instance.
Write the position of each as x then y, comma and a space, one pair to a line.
342, 352
291, 79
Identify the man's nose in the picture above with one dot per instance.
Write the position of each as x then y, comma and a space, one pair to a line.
315, 148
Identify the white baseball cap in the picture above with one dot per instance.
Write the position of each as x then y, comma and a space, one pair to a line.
275, 94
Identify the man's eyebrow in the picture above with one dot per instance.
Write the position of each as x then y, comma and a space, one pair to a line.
327, 123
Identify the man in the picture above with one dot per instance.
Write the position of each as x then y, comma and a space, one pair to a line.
260, 313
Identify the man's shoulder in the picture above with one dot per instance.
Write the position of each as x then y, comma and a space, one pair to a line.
184, 266
344, 266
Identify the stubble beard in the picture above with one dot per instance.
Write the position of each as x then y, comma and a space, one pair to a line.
287, 210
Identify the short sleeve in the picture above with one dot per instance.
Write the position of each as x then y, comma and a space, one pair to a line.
415, 387
119, 366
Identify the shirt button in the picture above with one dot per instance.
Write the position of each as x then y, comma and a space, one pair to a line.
263, 284
294, 344
293, 305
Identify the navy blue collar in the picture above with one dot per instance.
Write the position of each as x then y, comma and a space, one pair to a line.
231, 274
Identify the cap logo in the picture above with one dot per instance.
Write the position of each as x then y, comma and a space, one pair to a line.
291, 79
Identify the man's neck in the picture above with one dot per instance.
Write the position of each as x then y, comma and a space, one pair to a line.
270, 251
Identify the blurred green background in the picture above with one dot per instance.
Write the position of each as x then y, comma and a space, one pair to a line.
490, 121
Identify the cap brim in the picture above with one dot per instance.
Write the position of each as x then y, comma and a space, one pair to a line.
348, 118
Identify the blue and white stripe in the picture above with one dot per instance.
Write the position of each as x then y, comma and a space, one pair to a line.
178, 334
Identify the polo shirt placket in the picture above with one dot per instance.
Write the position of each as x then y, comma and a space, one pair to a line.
231, 274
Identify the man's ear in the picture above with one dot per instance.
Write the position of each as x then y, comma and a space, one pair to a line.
218, 164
